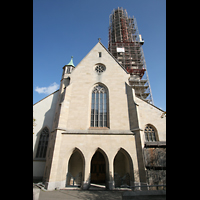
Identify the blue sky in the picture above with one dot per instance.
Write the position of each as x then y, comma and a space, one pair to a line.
65, 28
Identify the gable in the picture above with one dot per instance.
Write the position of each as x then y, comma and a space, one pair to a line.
106, 58
82, 81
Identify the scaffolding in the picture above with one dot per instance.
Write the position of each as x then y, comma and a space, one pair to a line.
125, 44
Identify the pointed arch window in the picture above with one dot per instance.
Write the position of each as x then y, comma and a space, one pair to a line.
150, 133
43, 143
99, 107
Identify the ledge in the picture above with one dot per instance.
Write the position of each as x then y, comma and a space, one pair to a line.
155, 144
58, 128
98, 128
136, 129
99, 132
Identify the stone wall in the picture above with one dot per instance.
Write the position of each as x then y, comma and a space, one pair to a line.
155, 157
155, 163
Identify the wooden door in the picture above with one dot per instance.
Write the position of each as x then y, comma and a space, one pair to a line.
98, 168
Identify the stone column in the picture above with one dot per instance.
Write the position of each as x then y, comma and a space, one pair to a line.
86, 181
111, 182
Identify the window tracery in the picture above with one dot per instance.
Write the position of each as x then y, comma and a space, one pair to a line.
100, 68
43, 143
99, 107
150, 134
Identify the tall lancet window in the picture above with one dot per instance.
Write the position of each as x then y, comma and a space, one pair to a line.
43, 143
99, 115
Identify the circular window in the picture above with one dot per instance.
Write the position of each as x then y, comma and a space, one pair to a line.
100, 68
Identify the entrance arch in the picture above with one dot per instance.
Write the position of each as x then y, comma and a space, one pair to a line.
123, 169
76, 165
99, 168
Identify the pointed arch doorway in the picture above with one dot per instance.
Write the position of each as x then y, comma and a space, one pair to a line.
99, 168
76, 166
123, 169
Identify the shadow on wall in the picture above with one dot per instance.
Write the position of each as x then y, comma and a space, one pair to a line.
49, 116
123, 169
133, 119
48, 121
76, 166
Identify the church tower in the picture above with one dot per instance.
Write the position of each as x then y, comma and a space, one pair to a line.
64, 83
125, 44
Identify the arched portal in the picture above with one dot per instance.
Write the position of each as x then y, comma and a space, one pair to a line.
123, 169
99, 168
76, 167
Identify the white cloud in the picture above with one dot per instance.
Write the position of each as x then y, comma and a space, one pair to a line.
47, 90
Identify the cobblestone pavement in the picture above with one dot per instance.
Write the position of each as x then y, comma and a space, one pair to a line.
80, 194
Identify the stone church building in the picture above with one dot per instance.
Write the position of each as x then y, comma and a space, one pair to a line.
94, 129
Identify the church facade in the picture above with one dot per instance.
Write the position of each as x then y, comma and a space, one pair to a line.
94, 129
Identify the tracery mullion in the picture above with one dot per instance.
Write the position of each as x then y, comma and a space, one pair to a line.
103, 109
146, 136
46, 144
41, 147
44, 139
150, 132
94, 108
99, 110
147, 133
151, 135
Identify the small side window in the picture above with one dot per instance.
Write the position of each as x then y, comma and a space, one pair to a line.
100, 55
150, 133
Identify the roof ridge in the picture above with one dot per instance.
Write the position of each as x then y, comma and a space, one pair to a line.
150, 104
46, 97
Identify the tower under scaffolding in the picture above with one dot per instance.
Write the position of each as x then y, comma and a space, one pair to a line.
125, 44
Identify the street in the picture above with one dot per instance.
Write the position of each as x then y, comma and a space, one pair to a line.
80, 194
